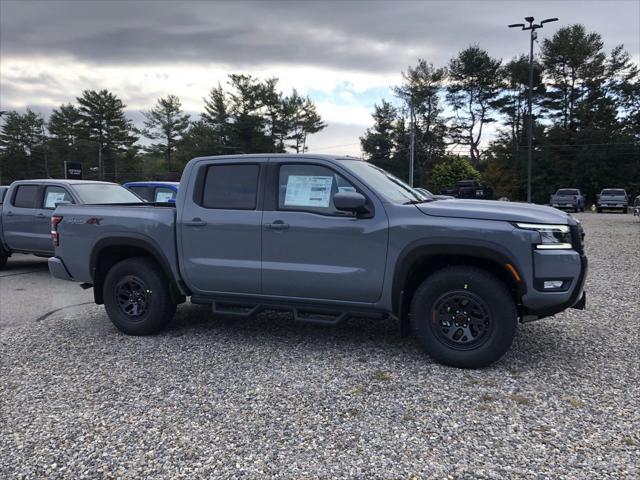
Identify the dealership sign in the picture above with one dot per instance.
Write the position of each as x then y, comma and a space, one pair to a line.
73, 170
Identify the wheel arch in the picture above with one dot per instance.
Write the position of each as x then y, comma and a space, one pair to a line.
108, 251
421, 259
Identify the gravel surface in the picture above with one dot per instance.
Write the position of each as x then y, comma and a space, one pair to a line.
226, 398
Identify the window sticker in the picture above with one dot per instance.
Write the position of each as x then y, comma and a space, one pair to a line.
53, 198
164, 196
308, 191
346, 189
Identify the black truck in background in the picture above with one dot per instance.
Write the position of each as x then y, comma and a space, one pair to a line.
470, 189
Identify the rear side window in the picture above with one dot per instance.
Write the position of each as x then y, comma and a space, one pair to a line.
231, 187
53, 195
25, 196
145, 193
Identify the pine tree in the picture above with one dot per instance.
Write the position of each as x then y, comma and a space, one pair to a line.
167, 123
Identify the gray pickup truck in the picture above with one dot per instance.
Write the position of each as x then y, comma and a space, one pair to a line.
571, 198
612, 199
327, 238
25, 215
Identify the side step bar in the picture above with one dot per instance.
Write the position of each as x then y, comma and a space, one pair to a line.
302, 314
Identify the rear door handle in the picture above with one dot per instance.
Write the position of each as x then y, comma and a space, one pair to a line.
277, 225
196, 222
40, 215
9, 214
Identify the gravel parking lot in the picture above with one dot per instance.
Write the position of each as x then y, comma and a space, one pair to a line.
227, 398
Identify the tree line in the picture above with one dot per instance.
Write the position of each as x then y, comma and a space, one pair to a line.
246, 116
586, 106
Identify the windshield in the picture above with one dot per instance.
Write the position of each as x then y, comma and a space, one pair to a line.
390, 187
98, 193
613, 191
567, 191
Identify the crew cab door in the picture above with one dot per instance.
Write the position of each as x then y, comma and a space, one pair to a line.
45, 205
220, 228
18, 218
310, 249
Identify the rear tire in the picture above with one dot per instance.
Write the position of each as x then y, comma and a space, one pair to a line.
464, 317
137, 297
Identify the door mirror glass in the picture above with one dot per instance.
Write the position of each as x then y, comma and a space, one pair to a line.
350, 202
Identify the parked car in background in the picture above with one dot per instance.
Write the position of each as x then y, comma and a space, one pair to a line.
427, 193
25, 218
612, 199
570, 198
469, 189
155, 192
327, 237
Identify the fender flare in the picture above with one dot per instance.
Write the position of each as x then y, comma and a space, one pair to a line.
424, 248
136, 240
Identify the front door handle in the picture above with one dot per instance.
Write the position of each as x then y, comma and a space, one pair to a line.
277, 225
196, 222
40, 215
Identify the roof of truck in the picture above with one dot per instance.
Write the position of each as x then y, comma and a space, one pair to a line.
61, 181
296, 156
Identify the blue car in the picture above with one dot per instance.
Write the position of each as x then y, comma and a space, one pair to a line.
154, 191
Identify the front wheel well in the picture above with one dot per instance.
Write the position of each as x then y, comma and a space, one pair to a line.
426, 266
108, 256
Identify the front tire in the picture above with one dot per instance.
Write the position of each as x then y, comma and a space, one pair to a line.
4, 256
137, 297
464, 317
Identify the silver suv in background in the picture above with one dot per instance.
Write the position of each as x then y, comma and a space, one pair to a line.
612, 199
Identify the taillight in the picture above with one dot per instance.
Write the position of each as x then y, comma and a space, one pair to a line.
55, 236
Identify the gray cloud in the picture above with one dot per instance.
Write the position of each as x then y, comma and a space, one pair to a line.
359, 35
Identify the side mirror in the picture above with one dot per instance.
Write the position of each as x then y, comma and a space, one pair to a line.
350, 202
62, 203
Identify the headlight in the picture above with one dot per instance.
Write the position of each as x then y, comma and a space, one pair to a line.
553, 237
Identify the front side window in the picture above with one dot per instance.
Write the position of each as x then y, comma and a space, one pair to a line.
310, 188
53, 195
25, 196
231, 187
164, 194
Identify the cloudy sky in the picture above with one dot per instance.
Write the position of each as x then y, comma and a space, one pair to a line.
345, 55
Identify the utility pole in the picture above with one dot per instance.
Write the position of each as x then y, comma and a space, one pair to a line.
413, 144
532, 27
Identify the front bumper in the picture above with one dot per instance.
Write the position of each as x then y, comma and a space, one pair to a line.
546, 303
57, 269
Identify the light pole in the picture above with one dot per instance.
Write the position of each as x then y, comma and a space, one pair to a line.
2, 112
531, 27
413, 144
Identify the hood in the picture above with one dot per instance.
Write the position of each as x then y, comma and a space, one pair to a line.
494, 210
